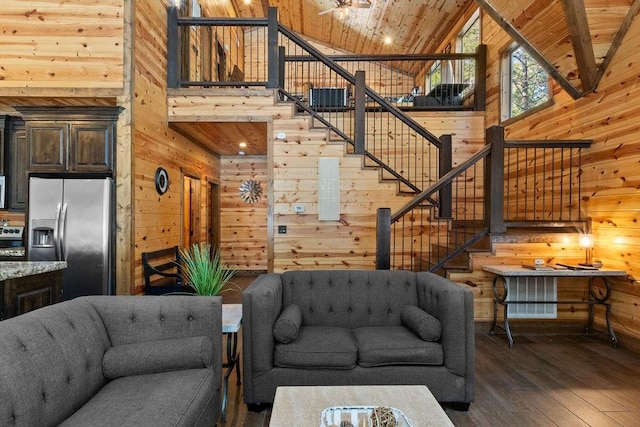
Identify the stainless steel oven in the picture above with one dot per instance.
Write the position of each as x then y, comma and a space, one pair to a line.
11, 236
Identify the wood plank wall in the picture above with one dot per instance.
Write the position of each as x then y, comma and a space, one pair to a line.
349, 242
158, 219
610, 178
75, 44
243, 230
310, 243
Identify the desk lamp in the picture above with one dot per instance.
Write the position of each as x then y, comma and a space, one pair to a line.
586, 241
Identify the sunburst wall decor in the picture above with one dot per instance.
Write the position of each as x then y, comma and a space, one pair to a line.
250, 191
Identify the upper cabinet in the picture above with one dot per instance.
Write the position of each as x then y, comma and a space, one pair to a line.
70, 139
13, 161
17, 172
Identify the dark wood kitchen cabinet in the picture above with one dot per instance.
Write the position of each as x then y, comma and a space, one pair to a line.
70, 139
24, 294
17, 178
4, 132
13, 161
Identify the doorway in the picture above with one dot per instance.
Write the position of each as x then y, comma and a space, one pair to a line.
213, 215
190, 210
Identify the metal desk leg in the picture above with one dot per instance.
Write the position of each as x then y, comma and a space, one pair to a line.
502, 300
602, 300
233, 360
507, 328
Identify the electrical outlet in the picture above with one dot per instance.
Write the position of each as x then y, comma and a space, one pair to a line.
282, 229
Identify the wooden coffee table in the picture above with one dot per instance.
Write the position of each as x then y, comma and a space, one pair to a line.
303, 405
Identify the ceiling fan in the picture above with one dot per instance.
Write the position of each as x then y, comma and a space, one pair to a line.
345, 5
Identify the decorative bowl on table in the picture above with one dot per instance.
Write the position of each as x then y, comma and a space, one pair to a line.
363, 416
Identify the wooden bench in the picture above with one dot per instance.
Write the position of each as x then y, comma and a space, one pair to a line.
162, 271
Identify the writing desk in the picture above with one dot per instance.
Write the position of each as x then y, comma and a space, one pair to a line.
509, 275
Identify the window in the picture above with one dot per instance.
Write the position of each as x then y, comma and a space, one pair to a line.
468, 41
434, 77
525, 83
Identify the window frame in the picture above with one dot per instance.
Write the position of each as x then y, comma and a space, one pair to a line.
506, 87
473, 20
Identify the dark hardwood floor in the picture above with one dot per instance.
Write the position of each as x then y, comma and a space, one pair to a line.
544, 380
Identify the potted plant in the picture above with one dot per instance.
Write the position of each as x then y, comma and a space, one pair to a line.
204, 271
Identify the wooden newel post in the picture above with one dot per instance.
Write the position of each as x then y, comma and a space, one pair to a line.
383, 239
281, 53
480, 91
173, 47
360, 113
272, 49
446, 163
494, 181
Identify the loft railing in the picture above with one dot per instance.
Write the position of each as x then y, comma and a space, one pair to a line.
223, 52
209, 52
506, 184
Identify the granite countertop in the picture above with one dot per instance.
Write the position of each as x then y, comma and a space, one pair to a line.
16, 252
15, 269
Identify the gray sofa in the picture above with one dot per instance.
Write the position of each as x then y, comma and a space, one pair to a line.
113, 361
343, 327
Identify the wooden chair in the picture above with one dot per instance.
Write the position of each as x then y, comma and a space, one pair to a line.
162, 271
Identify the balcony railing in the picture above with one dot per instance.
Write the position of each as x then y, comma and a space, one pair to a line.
228, 52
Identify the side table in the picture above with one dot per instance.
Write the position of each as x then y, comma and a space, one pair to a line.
231, 322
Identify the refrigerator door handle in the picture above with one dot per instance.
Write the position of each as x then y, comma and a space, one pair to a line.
56, 232
63, 229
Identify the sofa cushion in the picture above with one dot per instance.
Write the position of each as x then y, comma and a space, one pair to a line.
157, 356
422, 323
177, 398
395, 345
318, 347
288, 324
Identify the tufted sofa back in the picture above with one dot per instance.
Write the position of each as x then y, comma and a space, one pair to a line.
350, 298
51, 363
51, 358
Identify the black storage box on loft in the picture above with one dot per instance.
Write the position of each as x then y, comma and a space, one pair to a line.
328, 97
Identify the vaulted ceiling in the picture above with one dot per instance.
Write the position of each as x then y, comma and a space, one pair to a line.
574, 40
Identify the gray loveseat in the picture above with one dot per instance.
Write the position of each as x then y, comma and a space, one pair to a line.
343, 327
113, 361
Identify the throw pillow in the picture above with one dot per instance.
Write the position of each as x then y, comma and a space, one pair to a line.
288, 324
422, 323
157, 356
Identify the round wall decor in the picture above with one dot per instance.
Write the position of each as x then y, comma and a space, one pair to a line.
162, 180
250, 191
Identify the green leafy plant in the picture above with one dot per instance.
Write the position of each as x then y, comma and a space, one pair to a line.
204, 270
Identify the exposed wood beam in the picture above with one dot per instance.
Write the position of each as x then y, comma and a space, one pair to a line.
576, 16
522, 41
617, 41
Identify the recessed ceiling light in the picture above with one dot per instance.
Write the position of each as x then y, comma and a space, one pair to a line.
242, 144
247, 1
387, 40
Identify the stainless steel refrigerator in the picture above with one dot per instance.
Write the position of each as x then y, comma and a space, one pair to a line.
72, 219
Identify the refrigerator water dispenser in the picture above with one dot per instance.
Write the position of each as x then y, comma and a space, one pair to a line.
42, 233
